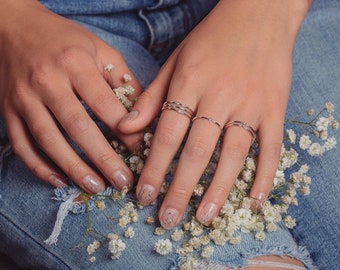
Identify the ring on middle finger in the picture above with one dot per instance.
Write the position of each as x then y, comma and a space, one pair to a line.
211, 120
178, 107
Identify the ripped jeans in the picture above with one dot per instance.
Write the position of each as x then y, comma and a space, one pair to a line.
28, 215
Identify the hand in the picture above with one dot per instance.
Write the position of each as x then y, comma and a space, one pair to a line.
235, 65
48, 65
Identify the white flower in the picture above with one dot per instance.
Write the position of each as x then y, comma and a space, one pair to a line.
127, 78
116, 246
109, 67
177, 235
322, 124
218, 237
92, 259
91, 248
330, 143
112, 236
159, 231
291, 135
243, 215
123, 221
335, 124
163, 246
305, 142
329, 107
305, 190
129, 233
199, 190
315, 149
235, 240
304, 168
148, 138
150, 220
289, 221
279, 178
207, 251
195, 242
271, 227
250, 164
260, 236
100, 205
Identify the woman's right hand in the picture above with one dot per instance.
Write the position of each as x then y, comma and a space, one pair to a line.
48, 65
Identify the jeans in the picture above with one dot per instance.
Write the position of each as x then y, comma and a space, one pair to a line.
28, 213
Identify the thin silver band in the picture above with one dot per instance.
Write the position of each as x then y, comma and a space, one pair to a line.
211, 120
178, 107
241, 124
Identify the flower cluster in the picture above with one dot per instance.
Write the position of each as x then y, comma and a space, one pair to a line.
240, 213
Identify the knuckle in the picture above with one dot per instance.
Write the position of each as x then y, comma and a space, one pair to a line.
166, 136
75, 168
105, 158
19, 148
236, 149
68, 56
153, 174
78, 123
221, 190
197, 150
181, 195
44, 136
40, 76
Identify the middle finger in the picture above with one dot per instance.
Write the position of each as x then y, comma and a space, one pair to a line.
194, 158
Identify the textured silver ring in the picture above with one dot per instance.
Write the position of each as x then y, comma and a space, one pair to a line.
211, 120
178, 107
244, 125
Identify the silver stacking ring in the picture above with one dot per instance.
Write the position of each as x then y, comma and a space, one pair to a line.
211, 120
178, 107
244, 125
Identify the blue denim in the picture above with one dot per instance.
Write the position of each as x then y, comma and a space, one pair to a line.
27, 213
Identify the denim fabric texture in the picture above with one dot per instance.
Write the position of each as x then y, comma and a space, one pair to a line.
28, 213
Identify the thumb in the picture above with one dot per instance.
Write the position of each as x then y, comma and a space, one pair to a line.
149, 103
144, 111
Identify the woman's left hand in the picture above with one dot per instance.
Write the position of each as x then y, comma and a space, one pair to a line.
234, 66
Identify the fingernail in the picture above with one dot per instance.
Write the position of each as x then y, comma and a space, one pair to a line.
208, 213
146, 194
257, 201
92, 184
169, 218
121, 179
130, 116
57, 180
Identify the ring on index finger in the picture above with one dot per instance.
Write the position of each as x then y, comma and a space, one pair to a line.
178, 107
244, 125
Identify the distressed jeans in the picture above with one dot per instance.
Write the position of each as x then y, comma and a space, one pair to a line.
146, 31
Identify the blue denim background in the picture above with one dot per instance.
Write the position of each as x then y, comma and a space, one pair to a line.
27, 214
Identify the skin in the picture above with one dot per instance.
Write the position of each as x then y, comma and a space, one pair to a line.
45, 68
245, 47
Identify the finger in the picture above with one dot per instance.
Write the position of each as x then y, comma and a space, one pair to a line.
99, 96
86, 134
166, 141
235, 147
52, 142
270, 143
194, 158
149, 103
23, 147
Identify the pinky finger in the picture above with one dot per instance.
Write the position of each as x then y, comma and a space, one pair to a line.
269, 155
23, 147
